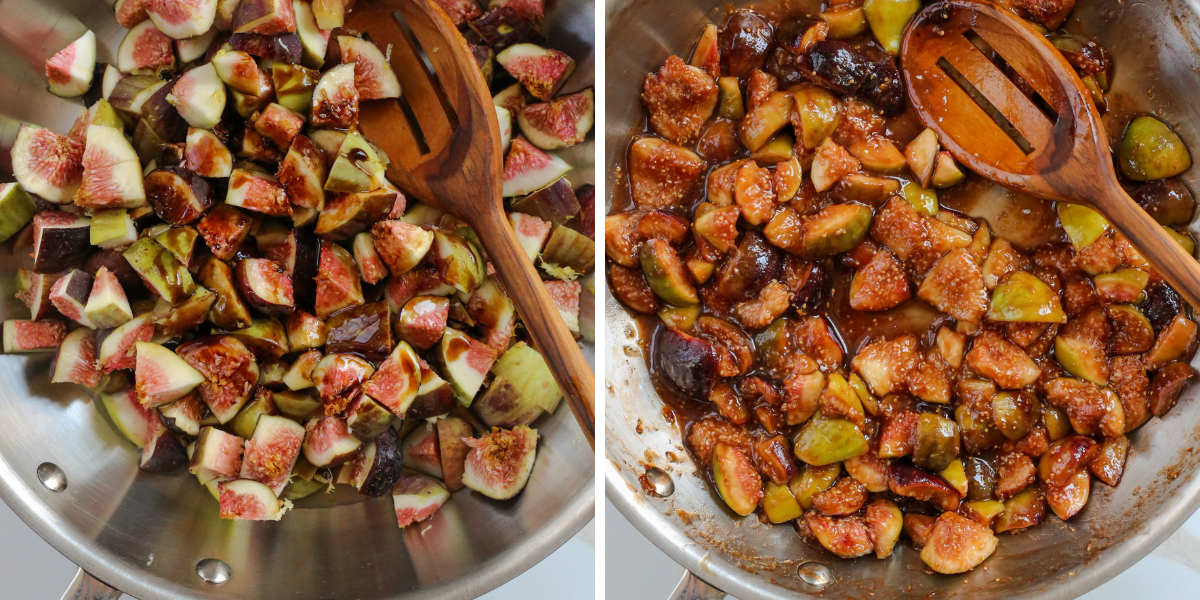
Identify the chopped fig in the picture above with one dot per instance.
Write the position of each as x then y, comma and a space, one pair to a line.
422, 321
112, 172
47, 164
229, 369
347, 214
241, 73
228, 310
130, 95
558, 123
302, 174
502, 27
265, 285
335, 100
76, 360
565, 295
17, 209
265, 337
199, 96
416, 498
299, 374
957, 544
36, 294
541, 70
136, 422
401, 245
555, 203
112, 228
224, 228
527, 168
264, 17
338, 284
130, 12
503, 404
299, 405
60, 241
145, 50
161, 376
499, 463
107, 306
257, 192
272, 451
70, 295
328, 442
246, 500
421, 451
370, 265
70, 71
313, 37
192, 49
217, 455
183, 416
305, 331
384, 466
294, 86
279, 124
373, 74
467, 362
434, 397
285, 47
116, 351
206, 156
367, 419
359, 166
160, 270
365, 330
337, 377
181, 19
179, 196
458, 260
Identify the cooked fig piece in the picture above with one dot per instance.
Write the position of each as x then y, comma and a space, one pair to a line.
70, 71
1002, 361
302, 174
689, 363
179, 196
328, 442
359, 167
229, 369
1173, 342
258, 192
957, 544
421, 451
265, 285
338, 284
60, 241
499, 462
183, 416
502, 27
907, 480
373, 74
161, 376
75, 361
264, 17
335, 99
367, 418
145, 51
160, 270
116, 347
347, 214
396, 383
1067, 500
272, 451
416, 498
846, 537
298, 406
224, 228
1167, 386
365, 330
247, 500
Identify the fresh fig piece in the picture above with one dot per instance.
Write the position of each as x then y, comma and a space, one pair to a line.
383, 465
506, 405
181, 19
467, 362
257, 192
511, 98
555, 203
160, 270
337, 378
313, 37
36, 294
130, 95
421, 451
265, 285
367, 419
161, 376
199, 96
272, 451
47, 164
136, 422
558, 123
328, 442
265, 337
299, 374
192, 49
112, 171
162, 452
502, 27
217, 455
422, 321
179, 196
373, 75
330, 14
116, 347
504, 120
112, 228
60, 241
499, 462
416, 498
186, 316
75, 361
459, 261
71, 70
338, 284
370, 265
264, 17
401, 245
247, 419
358, 168
396, 383
224, 228
145, 51
107, 306
527, 168
183, 416
279, 124
130, 12
70, 294
228, 310
108, 82
347, 214
229, 369
239, 70
541, 70
305, 331
304, 271
246, 500
302, 174
452, 435
335, 100
434, 397
285, 48
16, 209
365, 330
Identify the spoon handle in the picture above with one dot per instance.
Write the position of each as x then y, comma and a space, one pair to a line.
1179, 268
541, 318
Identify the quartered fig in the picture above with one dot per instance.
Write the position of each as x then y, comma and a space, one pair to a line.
416, 498
75, 361
229, 369
422, 452
335, 99
145, 50
338, 283
328, 441
115, 348
271, 451
47, 164
265, 285
373, 74
558, 123
247, 500
467, 362
161, 376
499, 462
541, 70
70, 71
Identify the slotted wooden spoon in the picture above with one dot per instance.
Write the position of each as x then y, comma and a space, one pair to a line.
453, 161
1065, 158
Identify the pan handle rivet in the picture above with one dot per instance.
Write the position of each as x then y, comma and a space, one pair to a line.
660, 482
52, 477
815, 574
213, 571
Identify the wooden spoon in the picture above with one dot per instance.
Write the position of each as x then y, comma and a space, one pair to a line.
454, 163
1066, 155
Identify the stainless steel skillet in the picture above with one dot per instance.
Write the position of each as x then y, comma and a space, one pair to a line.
147, 534
1156, 48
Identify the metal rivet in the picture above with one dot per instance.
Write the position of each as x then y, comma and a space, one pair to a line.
815, 574
661, 482
213, 571
52, 477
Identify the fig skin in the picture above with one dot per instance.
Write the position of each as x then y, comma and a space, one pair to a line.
386, 469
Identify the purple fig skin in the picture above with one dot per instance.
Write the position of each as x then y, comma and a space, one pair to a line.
95, 91
432, 404
304, 273
365, 330
555, 203
60, 241
385, 471
687, 362
112, 259
162, 117
163, 453
279, 48
518, 28
178, 195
